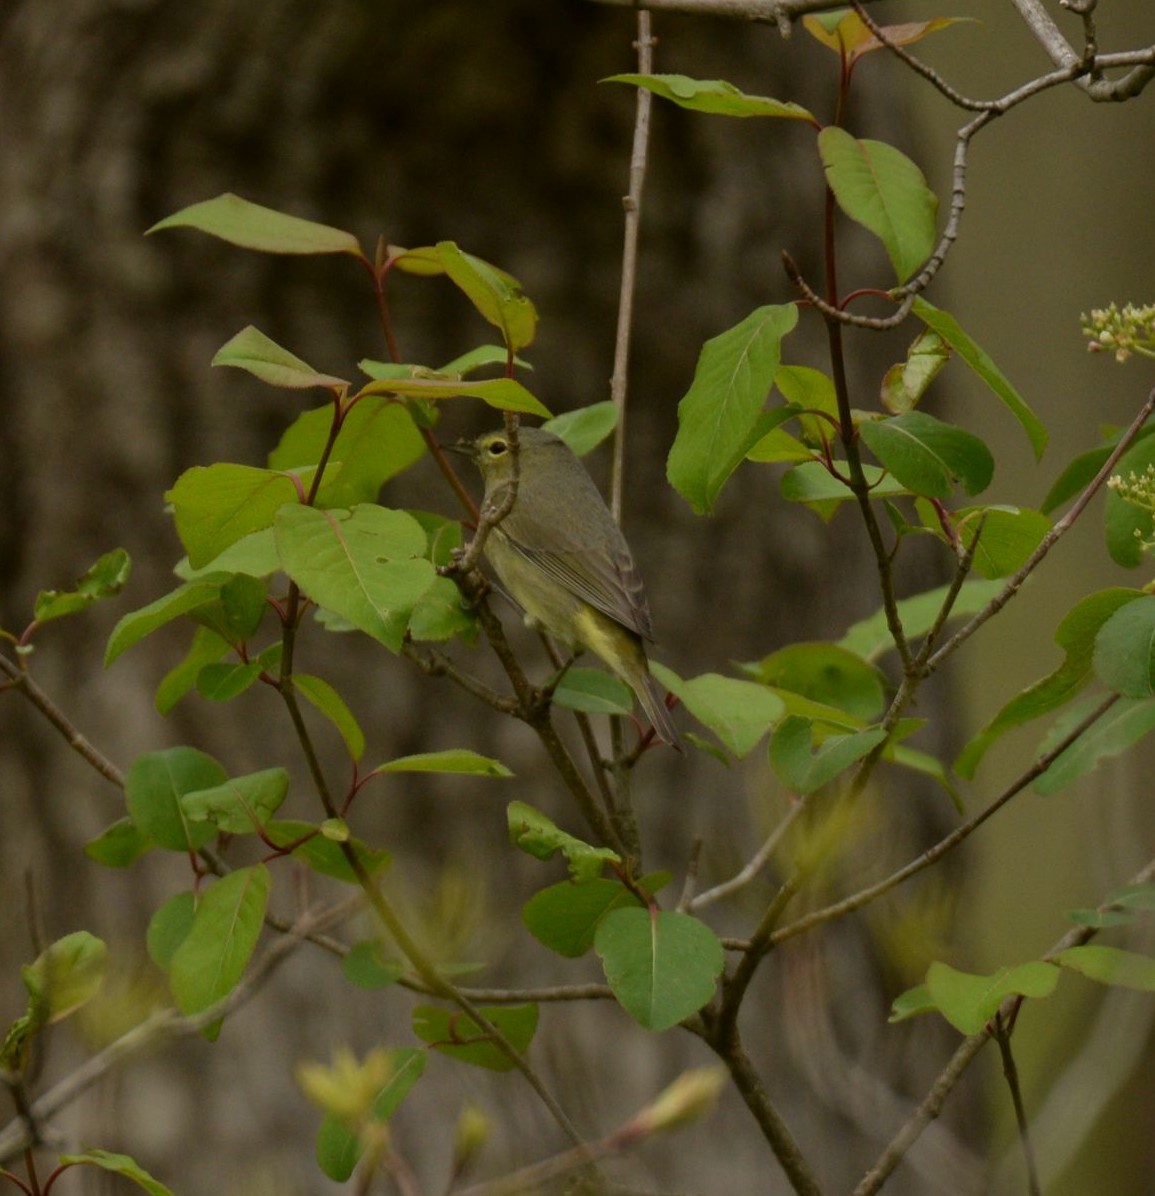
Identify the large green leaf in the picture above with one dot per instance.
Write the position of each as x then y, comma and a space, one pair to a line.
980, 362
154, 786
969, 1001
662, 966
928, 456
252, 226
241, 805
882, 189
586, 427
137, 624
118, 1164
1076, 636
215, 505
211, 960
804, 769
495, 294
1128, 526
1009, 536
506, 394
813, 485
460, 1037
565, 916
870, 638
1110, 965
257, 354
718, 416
1125, 649
64, 976
377, 440
715, 96
366, 564
738, 712
1117, 731
461, 761
827, 673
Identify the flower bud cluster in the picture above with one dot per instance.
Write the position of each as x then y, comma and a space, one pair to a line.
1122, 331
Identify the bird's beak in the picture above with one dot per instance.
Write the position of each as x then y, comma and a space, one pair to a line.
463, 447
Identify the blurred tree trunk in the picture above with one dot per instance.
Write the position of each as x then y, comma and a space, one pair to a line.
419, 121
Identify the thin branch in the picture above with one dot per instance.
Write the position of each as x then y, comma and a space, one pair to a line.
752, 868
632, 203
1056, 532
1002, 1035
23, 683
948, 843
932, 1104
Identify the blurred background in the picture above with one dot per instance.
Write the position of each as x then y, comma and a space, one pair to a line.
424, 121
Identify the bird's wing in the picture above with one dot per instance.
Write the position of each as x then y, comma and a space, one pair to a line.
608, 581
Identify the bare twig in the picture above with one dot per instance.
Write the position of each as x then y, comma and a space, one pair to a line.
23, 683
947, 843
1002, 1035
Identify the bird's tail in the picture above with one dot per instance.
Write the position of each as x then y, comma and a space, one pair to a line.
653, 701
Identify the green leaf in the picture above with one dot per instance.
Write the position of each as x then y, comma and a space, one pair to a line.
322, 855
215, 505
969, 1001
440, 614
222, 682
105, 578
207, 648
948, 328
565, 916
593, 691
460, 1037
118, 1164
64, 976
883, 190
211, 960
532, 832
718, 417
1076, 636
137, 624
506, 394
340, 1146
1009, 536
169, 927
377, 441
1118, 730
844, 32
457, 760
154, 786
904, 384
479, 358
252, 351
252, 226
584, 429
365, 966
118, 845
330, 703
927, 456
662, 966
254, 555
241, 805
870, 638
1080, 471
805, 771
1110, 965
738, 712
812, 484
911, 1003
714, 96
495, 294
827, 673
1129, 527
1124, 657
365, 564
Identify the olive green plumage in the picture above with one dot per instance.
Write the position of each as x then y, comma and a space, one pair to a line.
564, 561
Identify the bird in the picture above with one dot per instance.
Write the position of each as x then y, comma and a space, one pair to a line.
562, 558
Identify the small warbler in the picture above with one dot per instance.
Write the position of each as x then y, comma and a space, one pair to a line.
564, 561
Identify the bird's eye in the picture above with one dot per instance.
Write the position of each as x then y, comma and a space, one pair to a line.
496, 448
